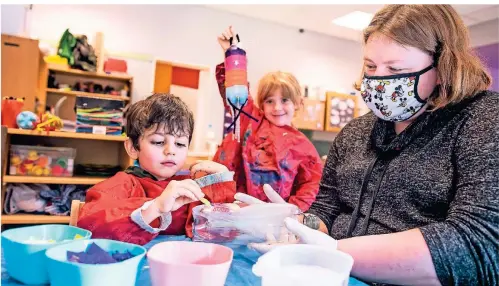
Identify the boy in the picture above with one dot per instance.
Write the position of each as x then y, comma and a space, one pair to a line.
149, 198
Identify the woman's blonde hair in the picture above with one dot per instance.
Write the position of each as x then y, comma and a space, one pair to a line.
439, 31
284, 81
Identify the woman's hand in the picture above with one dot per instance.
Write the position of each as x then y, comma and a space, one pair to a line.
294, 231
298, 233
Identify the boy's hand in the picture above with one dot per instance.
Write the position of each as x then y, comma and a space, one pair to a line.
208, 167
224, 38
177, 194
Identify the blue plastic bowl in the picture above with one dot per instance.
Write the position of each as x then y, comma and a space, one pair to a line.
26, 261
63, 272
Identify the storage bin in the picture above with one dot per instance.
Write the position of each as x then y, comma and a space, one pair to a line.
28, 160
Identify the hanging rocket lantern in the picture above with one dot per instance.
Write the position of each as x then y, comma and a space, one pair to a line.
236, 84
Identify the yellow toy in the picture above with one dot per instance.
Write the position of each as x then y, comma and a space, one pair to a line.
32, 156
15, 160
49, 122
36, 170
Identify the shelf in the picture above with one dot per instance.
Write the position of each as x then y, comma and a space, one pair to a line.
60, 134
65, 70
87, 94
53, 180
33, 219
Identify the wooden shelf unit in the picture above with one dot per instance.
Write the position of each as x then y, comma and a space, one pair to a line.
103, 147
80, 73
65, 75
75, 180
61, 134
33, 219
90, 148
86, 94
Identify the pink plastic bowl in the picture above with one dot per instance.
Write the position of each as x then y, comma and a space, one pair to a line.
185, 263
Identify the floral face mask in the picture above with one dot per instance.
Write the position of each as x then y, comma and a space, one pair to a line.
395, 97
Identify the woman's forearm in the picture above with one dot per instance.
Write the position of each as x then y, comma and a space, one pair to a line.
323, 227
401, 258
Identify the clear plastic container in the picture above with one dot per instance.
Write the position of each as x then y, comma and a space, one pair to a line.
28, 160
303, 265
248, 224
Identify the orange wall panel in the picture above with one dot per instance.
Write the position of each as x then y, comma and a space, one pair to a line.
185, 77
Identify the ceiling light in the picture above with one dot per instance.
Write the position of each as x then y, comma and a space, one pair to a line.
356, 20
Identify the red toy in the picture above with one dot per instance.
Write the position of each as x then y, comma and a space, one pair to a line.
115, 65
11, 107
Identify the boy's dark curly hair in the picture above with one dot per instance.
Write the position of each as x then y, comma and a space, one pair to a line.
158, 110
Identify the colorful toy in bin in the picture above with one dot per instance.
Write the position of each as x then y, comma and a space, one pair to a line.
41, 161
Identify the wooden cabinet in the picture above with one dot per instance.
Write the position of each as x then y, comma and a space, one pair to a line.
311, 115
340, 109
331, 116
20, 62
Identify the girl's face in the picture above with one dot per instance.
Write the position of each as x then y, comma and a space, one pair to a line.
278, 110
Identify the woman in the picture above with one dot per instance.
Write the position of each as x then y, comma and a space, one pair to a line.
411, 190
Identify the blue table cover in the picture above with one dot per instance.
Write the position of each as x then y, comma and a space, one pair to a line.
240, 273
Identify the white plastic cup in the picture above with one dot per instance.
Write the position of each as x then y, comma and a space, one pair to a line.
301, 264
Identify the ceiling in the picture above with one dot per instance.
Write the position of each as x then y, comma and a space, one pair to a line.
318, 18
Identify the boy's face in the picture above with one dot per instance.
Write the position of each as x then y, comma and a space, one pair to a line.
161, 154
278, 110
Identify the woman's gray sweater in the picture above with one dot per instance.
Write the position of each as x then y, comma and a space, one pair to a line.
441, 175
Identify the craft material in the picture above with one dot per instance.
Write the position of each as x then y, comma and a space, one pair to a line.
33, 240
96, 255
205, 201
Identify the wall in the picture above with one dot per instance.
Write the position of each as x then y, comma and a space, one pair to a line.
485, 39
485, 33
489, 55
187, 33
13, 19
494, 72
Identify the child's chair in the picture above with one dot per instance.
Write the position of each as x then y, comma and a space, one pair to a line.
76, 206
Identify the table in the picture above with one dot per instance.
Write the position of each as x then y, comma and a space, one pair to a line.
240, 273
